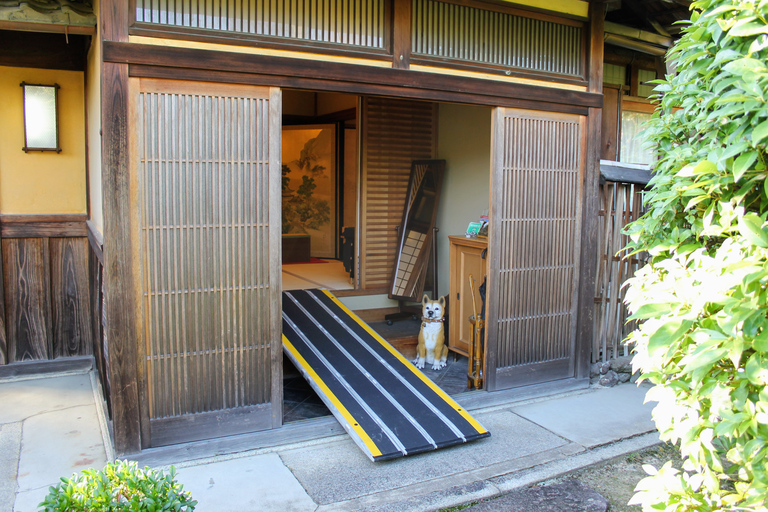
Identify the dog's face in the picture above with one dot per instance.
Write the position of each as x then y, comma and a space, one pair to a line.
433, 309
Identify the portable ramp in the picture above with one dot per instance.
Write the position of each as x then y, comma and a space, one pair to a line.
389, 407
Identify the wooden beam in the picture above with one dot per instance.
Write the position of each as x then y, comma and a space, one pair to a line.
119, 278
625, 173
414, 93
42, 226
340, 74
589, 235
43, 51
51, 28
401, 34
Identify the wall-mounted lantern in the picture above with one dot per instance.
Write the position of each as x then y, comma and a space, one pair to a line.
41, 117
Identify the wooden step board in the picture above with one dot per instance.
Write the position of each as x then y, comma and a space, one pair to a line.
386, 405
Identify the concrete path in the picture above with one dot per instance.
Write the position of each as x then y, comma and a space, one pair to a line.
50, 427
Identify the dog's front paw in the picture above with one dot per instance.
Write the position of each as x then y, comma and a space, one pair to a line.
438, 365
419, 362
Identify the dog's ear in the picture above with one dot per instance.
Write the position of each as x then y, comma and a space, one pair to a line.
425, 300
441, 301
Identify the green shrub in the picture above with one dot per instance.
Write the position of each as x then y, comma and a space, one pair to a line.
120, 486
704, 296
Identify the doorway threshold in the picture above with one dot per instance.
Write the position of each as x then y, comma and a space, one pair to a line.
316, 430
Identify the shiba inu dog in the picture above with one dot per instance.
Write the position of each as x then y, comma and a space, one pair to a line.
431, 348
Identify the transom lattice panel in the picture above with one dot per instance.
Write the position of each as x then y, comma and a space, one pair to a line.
348, 22
537, 216
462, 33
203, 166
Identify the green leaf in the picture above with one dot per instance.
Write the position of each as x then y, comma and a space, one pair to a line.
749, 29
760, 343
757, 369
760, 132
701, 358
666, 335
751, 228
743, 163
651, 311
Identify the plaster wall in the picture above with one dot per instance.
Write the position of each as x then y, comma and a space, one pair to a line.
464, 142
42, 182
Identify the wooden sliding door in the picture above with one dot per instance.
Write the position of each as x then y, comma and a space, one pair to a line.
395, 133
535, 226
208, 167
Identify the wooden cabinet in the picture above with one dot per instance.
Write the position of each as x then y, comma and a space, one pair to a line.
466, 257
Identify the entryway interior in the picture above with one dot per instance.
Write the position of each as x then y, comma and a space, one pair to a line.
323, 189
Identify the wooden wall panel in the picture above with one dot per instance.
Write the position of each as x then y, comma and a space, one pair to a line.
3, 337
70, 296
395, 132
27, 298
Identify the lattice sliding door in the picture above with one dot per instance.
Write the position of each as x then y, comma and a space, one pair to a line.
208, 167
395, 133
539, 162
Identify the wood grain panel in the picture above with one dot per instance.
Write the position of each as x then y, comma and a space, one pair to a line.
3, 335
29, 226
96, 292
70, 294
395, 132
27, 298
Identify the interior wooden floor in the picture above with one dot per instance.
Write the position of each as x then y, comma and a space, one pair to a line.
329, 275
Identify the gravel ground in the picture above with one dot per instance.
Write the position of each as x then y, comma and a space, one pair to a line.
615, 479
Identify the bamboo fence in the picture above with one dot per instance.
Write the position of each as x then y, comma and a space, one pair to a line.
620, 204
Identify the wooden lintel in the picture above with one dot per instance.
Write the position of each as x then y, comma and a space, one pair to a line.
40, 226
51, 28
342, 76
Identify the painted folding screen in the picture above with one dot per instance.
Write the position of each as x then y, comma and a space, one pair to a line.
535, 225
395, 133
208, 158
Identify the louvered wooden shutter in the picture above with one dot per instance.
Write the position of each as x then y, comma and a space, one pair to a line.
395, 133
535, 227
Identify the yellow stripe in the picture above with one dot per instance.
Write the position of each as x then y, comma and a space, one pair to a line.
409, 365
327, 392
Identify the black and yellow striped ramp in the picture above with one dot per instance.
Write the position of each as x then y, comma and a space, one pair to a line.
389, 407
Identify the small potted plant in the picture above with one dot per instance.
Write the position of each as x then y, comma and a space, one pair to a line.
120, 486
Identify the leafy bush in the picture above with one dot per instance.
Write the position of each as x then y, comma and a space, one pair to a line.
704, 296
120, 486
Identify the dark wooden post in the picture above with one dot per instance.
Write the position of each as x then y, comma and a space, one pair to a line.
118, 271
585, 318
401, 34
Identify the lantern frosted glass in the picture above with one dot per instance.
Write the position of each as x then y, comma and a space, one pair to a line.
40, 118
